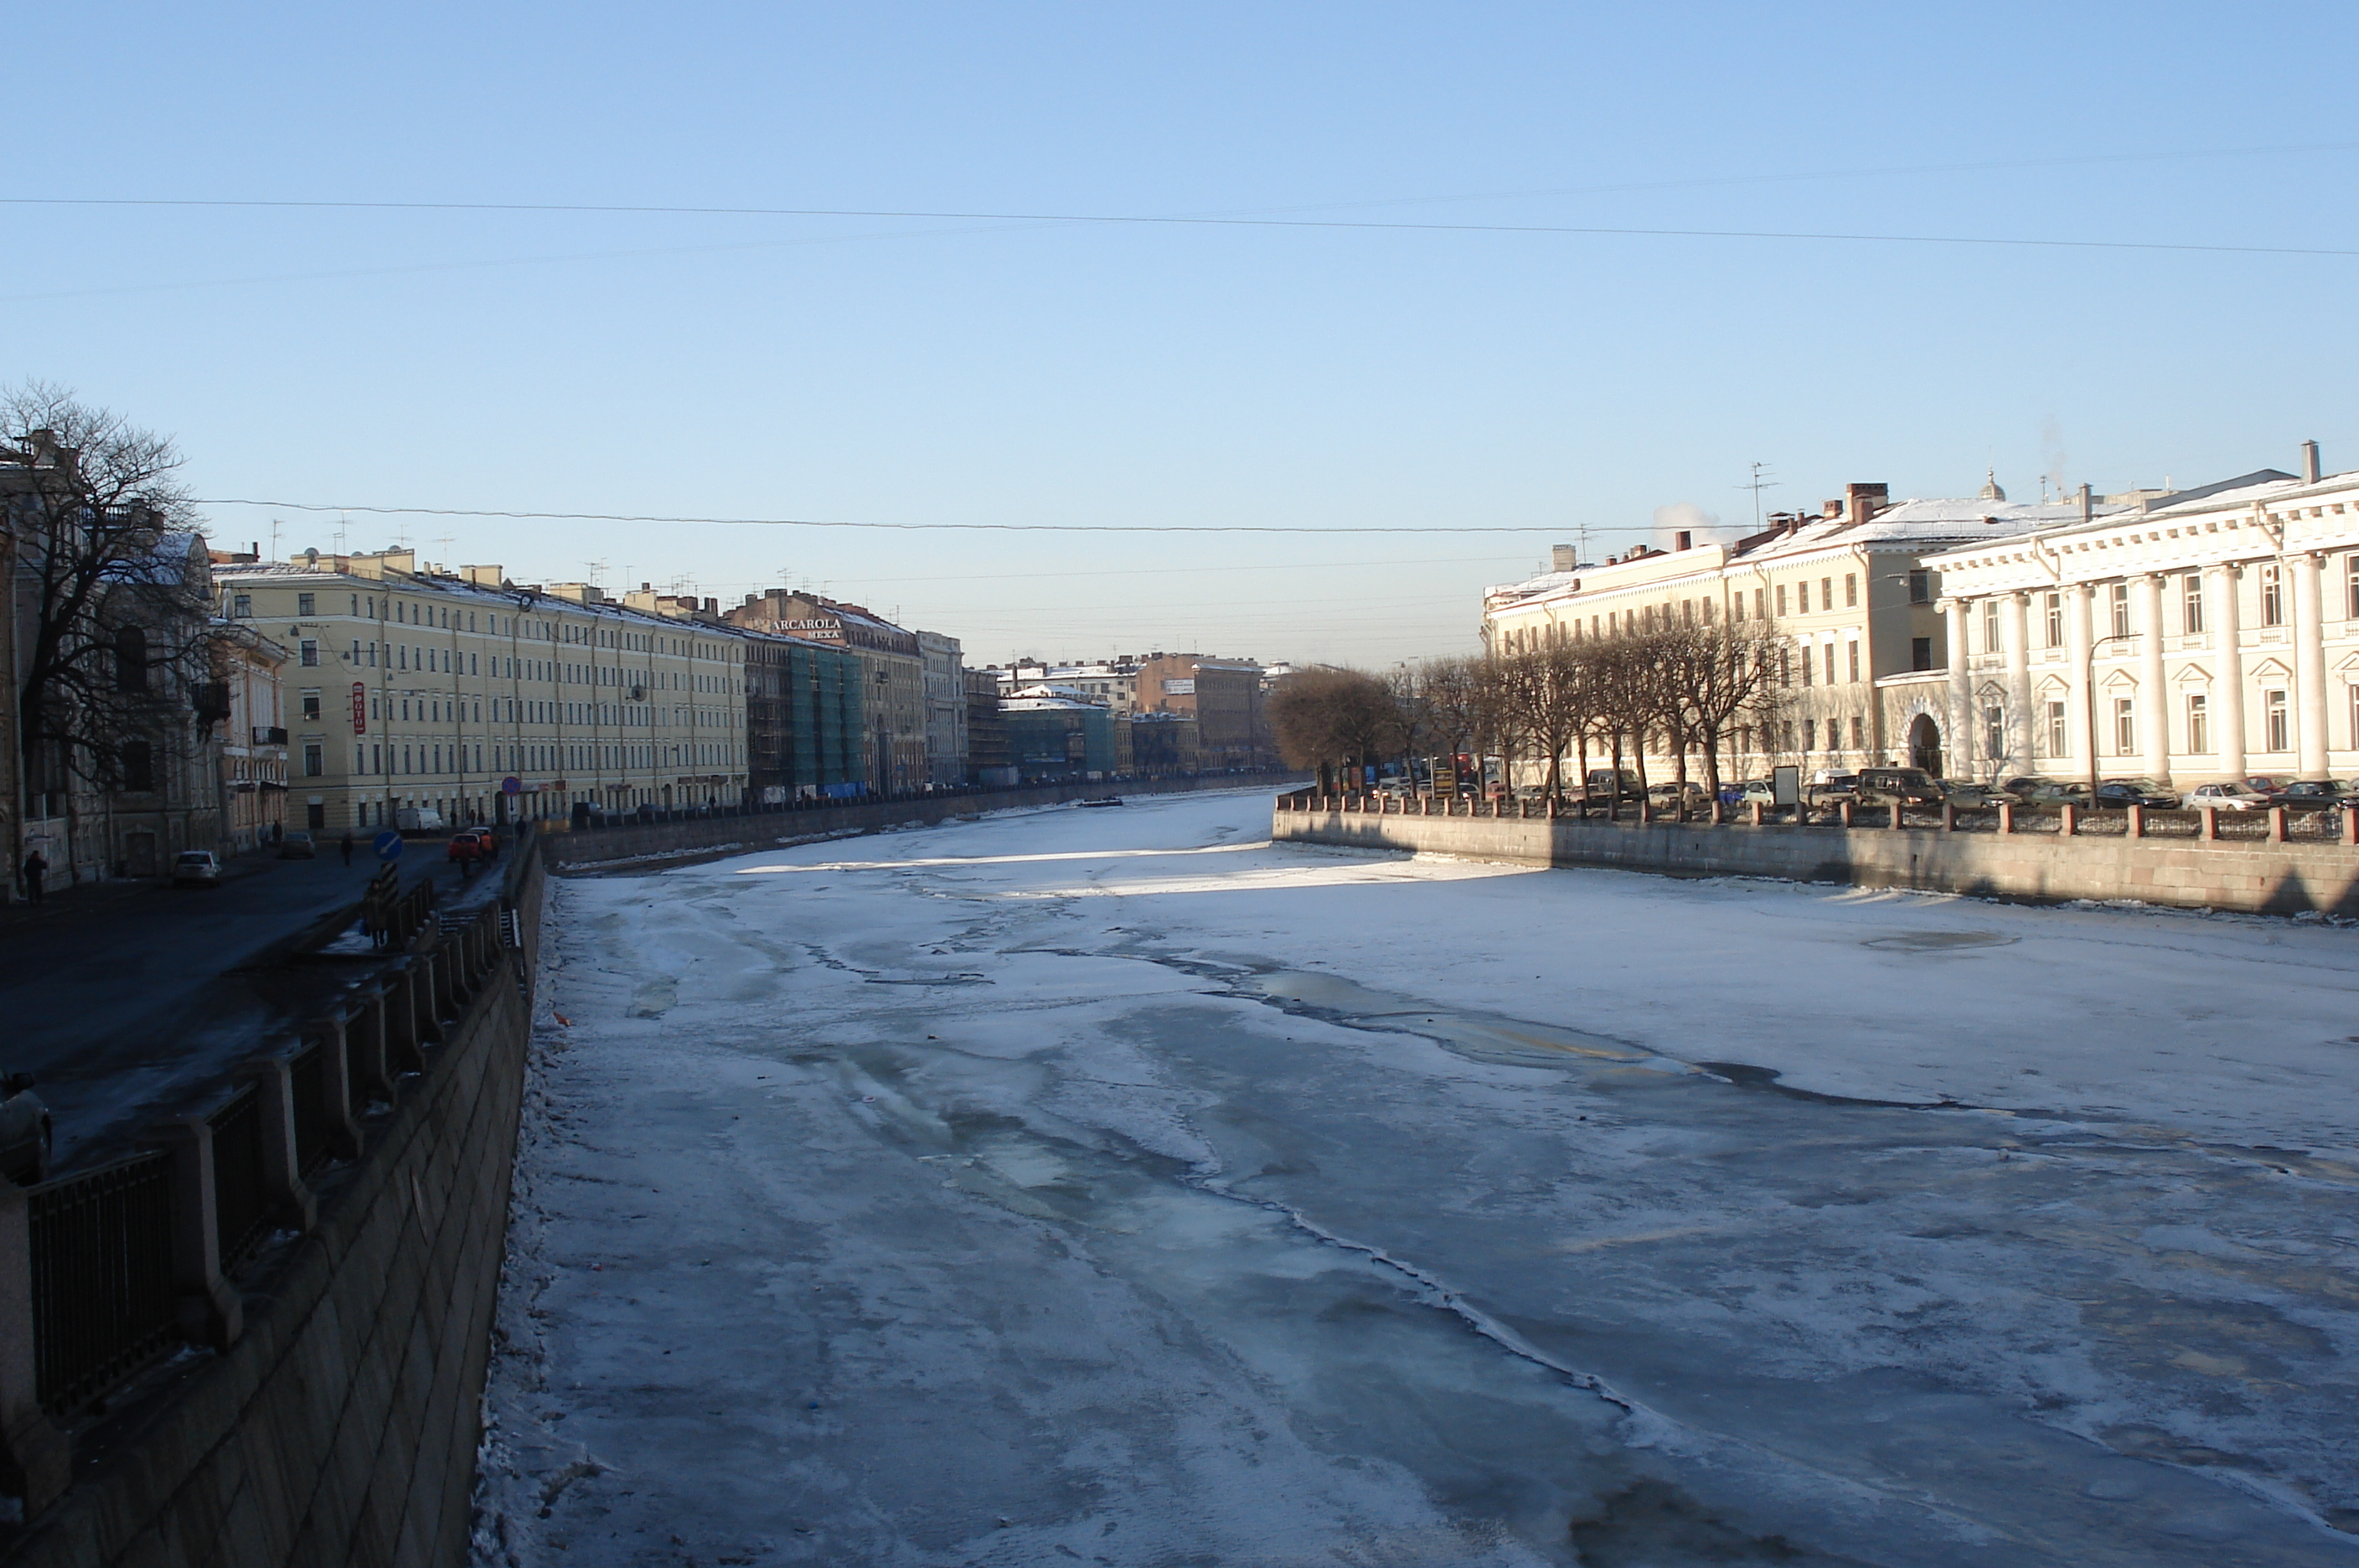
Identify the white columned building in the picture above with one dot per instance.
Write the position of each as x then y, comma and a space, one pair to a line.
2217, 631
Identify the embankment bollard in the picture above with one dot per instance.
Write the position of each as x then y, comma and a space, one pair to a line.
2276, 825
2134, 822
2210, 823
2067, 819
1842, 812
282, 1167
1895, 824
2006, 816
1757, 814
209, 1312
2350, 825
1949, 817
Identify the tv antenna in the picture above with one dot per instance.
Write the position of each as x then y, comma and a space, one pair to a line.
1760, 482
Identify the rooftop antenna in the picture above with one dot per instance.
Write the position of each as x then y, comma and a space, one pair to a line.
1759, 483
596, 569
344, 526
446, 541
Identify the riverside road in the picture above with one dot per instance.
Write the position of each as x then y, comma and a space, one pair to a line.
1114, 1186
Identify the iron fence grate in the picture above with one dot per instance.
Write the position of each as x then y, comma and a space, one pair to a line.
102, 1286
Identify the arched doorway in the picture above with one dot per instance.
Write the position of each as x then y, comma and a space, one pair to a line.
1925, 744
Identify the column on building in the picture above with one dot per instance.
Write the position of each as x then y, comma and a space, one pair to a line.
2219, 585
1961, 688
2308, 665
2082, 721
2153, 697
2014, 634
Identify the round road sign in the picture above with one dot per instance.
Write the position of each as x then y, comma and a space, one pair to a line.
387, 845
511, 785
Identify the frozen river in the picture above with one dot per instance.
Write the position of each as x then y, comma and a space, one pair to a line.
1111, 1187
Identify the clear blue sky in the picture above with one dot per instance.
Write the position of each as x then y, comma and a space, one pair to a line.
919, 370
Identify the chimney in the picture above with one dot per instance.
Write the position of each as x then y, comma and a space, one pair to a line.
1830, 509
2309, 472
2087, 509
1561, 558
713, 606
1861, 502
1683, 540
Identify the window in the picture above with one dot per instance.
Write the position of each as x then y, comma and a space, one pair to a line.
1854, 647
1826, 592
2055, 620
1990, 627
2192, 613
1707, 612
1801, 598
1858, 732
1994, 731
2125, 727
1760, 599
2272, 595
139, 765
2278, 729
1851, 589
1781, 598
1831, 663
315, 760
1810, 665
308, 654
1921, 587
1809, 735
2059, 738
241, 605
2121, 598
306, 606
311, 705
1736, 606
2199, 723
1920, 653
131, 660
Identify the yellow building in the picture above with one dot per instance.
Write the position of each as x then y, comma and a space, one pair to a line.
416, 689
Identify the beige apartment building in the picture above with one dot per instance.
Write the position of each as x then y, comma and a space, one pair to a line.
414, 688
1848, 591
2207, 636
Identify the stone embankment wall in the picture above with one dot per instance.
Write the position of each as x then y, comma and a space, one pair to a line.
679, 841
2253, 878
340, 1427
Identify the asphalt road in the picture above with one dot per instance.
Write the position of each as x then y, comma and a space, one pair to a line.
123, 1005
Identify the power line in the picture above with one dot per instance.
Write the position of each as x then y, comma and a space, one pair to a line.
1147, 220
927, 528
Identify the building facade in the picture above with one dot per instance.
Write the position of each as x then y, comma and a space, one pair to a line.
425, 689
1053, 738
252, 752
1849, 593
2207, 636
989, 761
802, 718
892, 684
943, 673
1223, 695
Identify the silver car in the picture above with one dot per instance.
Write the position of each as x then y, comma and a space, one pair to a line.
2227, 798
197, 868
25, 1131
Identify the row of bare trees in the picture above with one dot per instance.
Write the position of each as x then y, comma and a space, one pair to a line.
1685, 692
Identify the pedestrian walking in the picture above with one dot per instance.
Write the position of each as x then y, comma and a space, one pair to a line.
345, 843
36, 876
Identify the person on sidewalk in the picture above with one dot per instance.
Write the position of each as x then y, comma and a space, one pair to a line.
345, 843
36, 876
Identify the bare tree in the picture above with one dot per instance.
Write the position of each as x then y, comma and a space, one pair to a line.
1714, 677
115, 681
1333, 719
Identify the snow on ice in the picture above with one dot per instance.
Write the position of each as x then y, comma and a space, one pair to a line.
1116, 1188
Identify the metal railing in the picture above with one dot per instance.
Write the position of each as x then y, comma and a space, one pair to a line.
241, 1193
121, 1265
2280, 824
103, 1290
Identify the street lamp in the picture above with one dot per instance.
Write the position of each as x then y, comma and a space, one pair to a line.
2089, 686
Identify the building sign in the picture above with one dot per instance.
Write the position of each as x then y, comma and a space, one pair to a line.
360, 708
828, 627
1179, 688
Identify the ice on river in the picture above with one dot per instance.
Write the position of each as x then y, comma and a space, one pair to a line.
1114, 1186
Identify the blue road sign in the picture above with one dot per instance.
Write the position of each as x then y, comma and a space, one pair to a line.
387, 845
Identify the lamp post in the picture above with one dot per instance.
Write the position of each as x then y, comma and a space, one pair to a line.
2089, 686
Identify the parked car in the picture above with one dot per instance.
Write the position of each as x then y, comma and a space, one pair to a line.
297, 844
197, 868
2119, 793
2021, 789
1907, 786
2269, 785
1829, 785
1972, 796
2053, 792
1667, 796
2230, 797
419, 819
1752, 790
2317, 795
25, 1131
1601, 781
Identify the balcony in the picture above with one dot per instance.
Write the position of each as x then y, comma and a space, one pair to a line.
267, 734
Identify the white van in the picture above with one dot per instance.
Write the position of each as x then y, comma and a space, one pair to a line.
420, 819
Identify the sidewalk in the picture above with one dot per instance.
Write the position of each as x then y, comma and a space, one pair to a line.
63, 904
